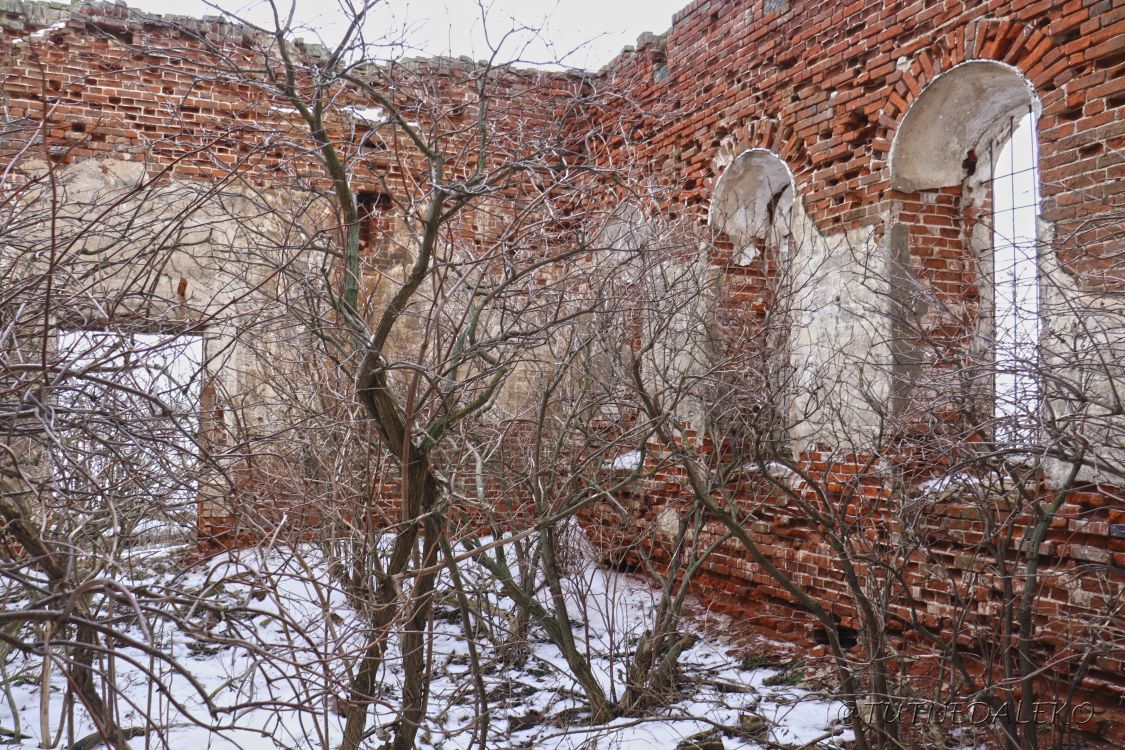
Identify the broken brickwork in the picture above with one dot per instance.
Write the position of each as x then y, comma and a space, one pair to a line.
125, 105
826, 89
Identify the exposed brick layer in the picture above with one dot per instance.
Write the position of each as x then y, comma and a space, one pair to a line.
947, 583
825, 86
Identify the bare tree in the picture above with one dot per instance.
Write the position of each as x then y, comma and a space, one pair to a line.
430, 339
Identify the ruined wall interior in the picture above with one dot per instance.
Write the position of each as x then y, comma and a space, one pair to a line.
844, 143
883, 113
111, 112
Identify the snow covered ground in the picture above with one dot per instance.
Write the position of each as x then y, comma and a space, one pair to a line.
276, 636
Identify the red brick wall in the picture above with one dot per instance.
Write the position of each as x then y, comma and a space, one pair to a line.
946, 582
825, 86
103, 80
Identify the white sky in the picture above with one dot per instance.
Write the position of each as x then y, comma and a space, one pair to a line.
583, 33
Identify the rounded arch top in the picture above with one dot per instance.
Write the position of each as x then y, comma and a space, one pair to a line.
749, 194
950, 117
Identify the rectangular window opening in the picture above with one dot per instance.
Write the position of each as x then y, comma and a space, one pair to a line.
1015, 263
374, 218
127, 411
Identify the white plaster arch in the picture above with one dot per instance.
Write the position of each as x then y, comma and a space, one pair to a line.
753, 199
952, 115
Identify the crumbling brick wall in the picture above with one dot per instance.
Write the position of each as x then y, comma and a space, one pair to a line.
92, 85
826, 88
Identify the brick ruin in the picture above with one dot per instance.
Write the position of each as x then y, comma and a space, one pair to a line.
873, 111
862, 123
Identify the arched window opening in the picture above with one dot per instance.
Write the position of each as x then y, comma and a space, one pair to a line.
753, 206
1015, 279
964, 160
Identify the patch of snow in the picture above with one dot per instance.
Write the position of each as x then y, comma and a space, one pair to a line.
372, 115
773, 467
287, 636
630, 460
941, 484
42, 32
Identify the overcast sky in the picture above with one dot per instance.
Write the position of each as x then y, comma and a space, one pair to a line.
584, 33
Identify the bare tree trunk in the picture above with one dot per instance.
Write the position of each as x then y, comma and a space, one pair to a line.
557, 625
651, 675
416, 675
601, 709
421, 493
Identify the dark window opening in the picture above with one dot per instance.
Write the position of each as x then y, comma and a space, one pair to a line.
660, 71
